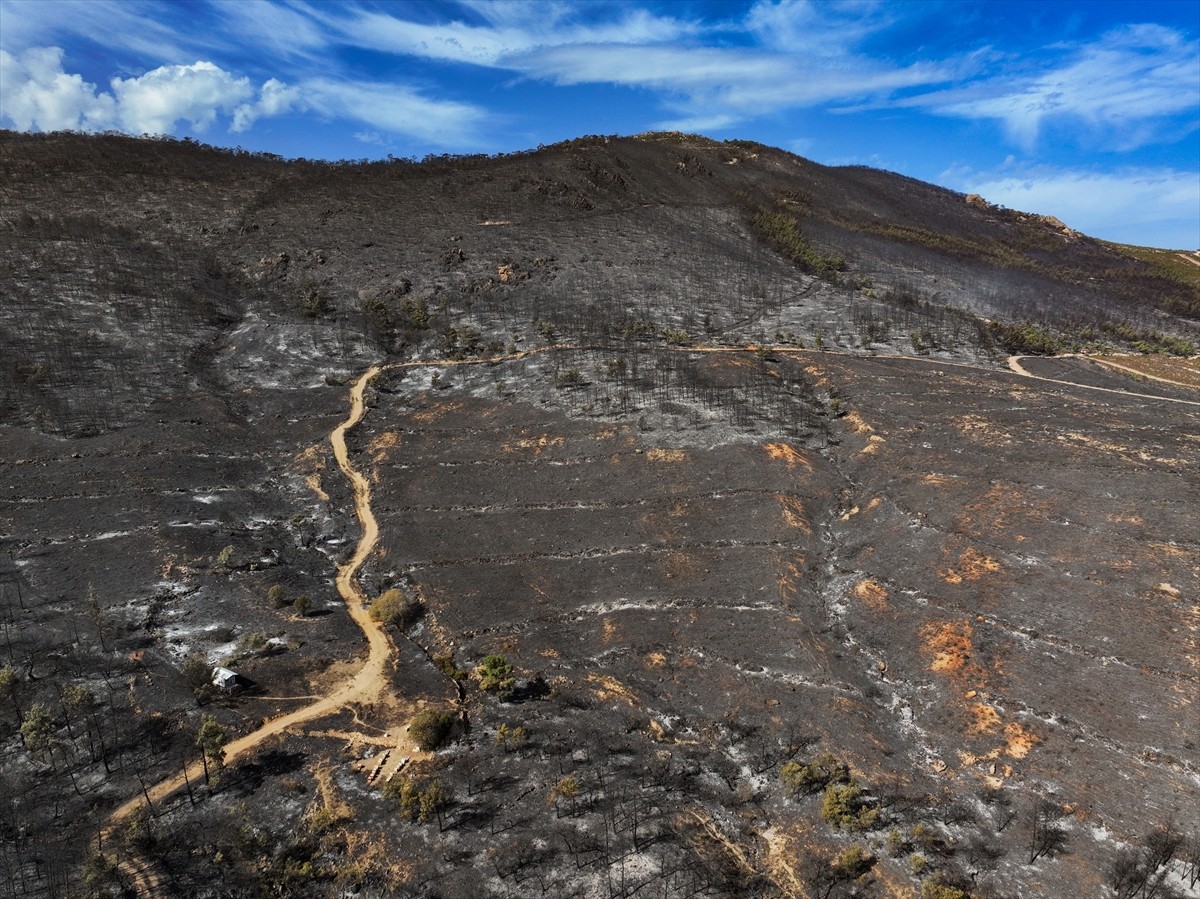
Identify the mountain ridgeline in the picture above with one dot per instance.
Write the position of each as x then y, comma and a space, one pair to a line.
597, 238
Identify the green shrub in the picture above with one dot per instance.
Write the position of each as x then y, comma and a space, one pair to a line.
844, 807
445, 664
495, 675
935, 889
510, 738
1023, 340
816, 775
782, 232
393, 607
430, 728
418, 803
854, 862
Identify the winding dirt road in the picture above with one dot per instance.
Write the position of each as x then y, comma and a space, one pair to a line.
1014, 363
369, 680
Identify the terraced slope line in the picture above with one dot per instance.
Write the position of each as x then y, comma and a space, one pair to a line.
368, 682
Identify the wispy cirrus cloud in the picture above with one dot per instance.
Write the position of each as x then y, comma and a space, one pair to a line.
778, 56
502, 33
1123, 89
279, 33
817, 30
131, 26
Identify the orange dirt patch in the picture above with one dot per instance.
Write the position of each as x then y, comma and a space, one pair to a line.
608, 687
328, 800
436, 411
818, 375
997, 510
794, 514
380, 446
1126, 453
666, 455
1181, 371
655, 660
1126, 519
873, 593
787, 453
537, 444
679, 566
873, 443
1169, 549
984, 719
789, 577
310, 464
972, 565
678, 510
610, 631
939, 480
1018, 742
857, 424
780, 861
730, 360
979, 428
950, 646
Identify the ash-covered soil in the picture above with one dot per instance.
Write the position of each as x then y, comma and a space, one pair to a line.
786, 614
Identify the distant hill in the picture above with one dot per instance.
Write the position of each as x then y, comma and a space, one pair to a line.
179, 242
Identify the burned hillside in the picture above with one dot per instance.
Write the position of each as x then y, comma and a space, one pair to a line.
693, 535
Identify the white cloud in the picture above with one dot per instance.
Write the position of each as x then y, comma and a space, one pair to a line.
1155, 207
280, 30
154, 102
723, 85
275, 98
35, 93
1118, 87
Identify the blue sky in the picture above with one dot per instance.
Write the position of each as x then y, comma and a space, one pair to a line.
1088, 110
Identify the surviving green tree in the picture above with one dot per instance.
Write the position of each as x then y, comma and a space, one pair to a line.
496, 675
211, 739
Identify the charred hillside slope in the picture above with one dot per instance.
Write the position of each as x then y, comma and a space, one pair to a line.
129, 258
720, 552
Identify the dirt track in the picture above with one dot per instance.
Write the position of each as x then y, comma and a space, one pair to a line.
1014, 363
366, 684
